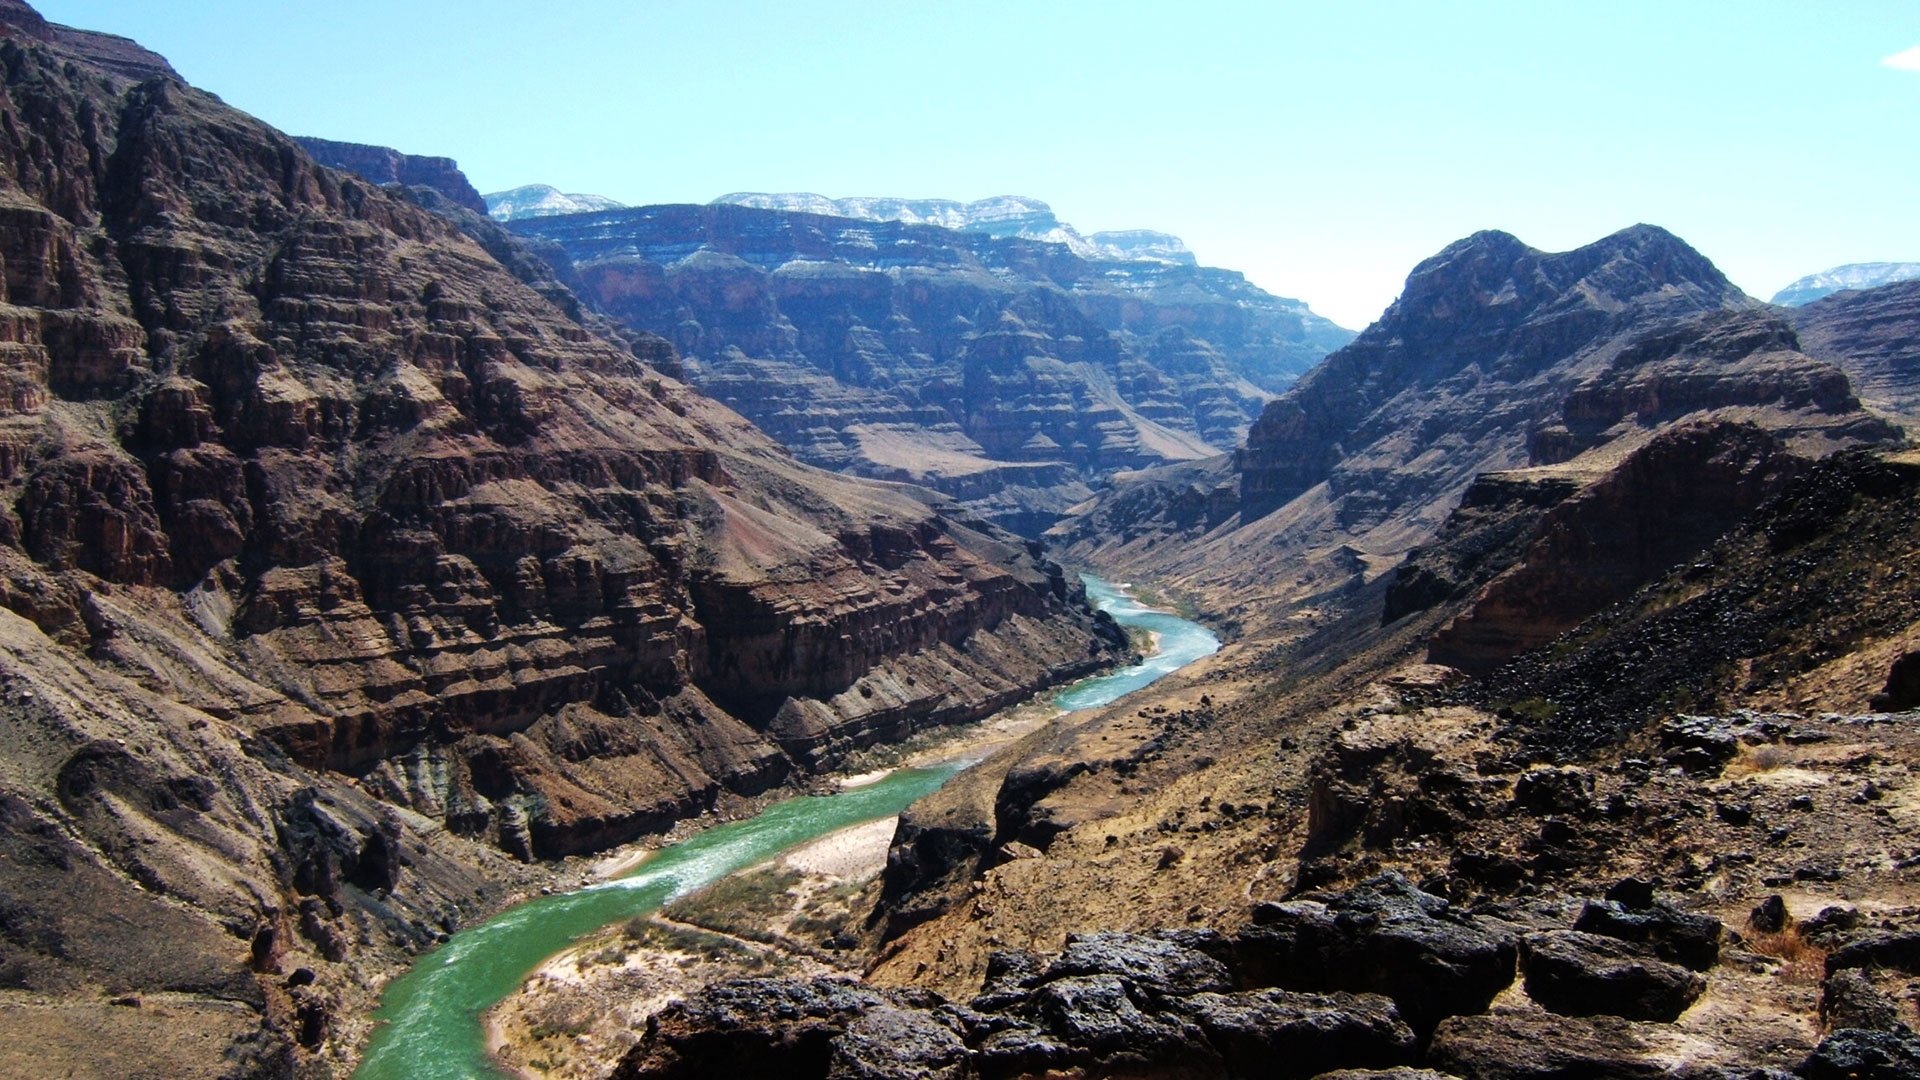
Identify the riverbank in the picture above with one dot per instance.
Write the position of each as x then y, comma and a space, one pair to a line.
584, 1006
430, 1016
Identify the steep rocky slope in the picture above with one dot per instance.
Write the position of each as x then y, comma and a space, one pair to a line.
1495, 357
1548, 869
383, 165
340, 567
116, 54
1010, 373
1676, 842
1874, 335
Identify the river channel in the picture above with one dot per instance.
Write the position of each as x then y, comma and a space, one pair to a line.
432, 1019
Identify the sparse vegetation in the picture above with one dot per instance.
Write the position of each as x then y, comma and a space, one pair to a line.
1802, 963
749, 905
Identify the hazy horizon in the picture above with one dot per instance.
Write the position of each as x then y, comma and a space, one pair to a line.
1322, 152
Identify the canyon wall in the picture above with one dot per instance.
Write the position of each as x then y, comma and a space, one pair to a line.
343, 564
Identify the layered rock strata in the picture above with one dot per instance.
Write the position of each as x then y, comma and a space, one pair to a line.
1495, 358
1006, 371
341, 566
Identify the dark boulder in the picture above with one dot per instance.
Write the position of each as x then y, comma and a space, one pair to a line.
1097, 1015
750, 1027
898, 1044
1150, 964
1585, 974
1541, 1046
1769, 916
1283, 1034
1382, 936
1683, 938
1848, 999
1853, 1054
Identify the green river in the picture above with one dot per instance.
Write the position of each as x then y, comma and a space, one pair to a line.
432, 1019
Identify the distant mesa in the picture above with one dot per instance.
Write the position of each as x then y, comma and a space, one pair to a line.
1870, 275
967, 347
1002, 216
543, 200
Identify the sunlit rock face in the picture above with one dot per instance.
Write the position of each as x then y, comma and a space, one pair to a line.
1010, 372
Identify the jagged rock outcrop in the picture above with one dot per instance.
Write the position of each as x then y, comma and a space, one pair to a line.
1665, 502
1108, 1004
340, 566
1008, 372
1496, 356
1484, 334
1816, 565
384, 165
119, 55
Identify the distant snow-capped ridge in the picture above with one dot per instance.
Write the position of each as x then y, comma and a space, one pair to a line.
1840, 278
541, 200
1002, 215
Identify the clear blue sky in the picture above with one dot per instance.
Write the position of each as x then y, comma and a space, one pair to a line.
1322, 148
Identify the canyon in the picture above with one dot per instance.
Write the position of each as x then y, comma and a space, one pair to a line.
350, 567
1553, 738
368, 562
1012, 373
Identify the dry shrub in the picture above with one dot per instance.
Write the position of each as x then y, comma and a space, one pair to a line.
1801, 961
1764, 758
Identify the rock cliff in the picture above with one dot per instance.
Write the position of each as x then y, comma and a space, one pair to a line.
1003, 216
1496, 357
383, 165
1010, 373
1873, 335
341, 566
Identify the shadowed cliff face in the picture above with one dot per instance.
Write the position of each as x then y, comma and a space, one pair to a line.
336, 560
1496, 357
1486, 319
1007, 372
1873, 335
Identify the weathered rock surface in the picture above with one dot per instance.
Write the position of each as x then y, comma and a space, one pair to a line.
339, 562
1542, 1046
1383, 936
384, 165
1852, 1054
1682, 937
1816, 565
978, 364
1873, 336
1583, 974
1664, 503
1495, 357
1110, 1004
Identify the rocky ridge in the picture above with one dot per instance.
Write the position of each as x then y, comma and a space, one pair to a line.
1496, 357
1874, 335
543, 200
384, 165
1669, 776
341, 567
1003, 216
1007, 372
